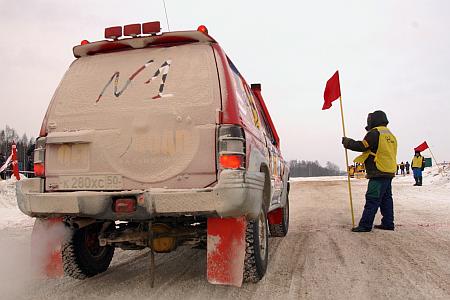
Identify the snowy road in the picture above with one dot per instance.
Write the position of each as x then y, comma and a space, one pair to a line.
319, 259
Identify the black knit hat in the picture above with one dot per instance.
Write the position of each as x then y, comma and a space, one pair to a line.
377, 118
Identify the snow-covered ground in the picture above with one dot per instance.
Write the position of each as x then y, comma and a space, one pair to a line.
432, 177
320, 178
10, 215
319, 258
435, 181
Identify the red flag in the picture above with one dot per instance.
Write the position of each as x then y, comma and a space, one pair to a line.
332, 91
15, 164
421, 147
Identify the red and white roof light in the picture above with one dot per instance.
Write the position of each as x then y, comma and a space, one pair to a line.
132, 30
135, 30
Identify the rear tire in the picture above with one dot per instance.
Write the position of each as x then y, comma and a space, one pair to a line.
257, 249
82, 255
280, 230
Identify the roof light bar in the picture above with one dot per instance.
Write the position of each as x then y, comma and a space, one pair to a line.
202, 28
132, 30
151, 27
113, 32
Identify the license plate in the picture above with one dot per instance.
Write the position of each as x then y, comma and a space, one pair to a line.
95, 182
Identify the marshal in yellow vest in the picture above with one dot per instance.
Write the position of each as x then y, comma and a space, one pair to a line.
386, 156
417, 162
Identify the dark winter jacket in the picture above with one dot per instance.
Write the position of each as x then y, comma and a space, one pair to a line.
30, 157
407, 165
370, 141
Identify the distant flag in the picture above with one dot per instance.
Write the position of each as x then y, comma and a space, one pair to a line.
332, 91
421, 147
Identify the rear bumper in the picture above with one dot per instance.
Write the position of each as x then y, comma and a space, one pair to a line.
237, 193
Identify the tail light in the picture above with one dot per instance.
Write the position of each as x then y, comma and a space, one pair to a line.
125, 205
231, 147
39, 157
230, 161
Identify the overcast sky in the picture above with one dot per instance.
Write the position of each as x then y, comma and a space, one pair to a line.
391, 55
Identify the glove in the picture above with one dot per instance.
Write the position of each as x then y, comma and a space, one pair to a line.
346, 141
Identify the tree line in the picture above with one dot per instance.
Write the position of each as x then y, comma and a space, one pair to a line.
24, 144
25, 147
306, 168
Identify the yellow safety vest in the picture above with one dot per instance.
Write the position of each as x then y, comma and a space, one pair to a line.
417, 162
386, 156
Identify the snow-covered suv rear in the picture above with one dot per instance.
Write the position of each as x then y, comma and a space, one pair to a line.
157, 141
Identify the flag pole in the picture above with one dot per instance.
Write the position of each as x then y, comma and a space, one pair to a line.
435, 161
433, 156
346, 165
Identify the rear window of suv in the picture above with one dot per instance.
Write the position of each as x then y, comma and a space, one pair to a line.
143, 78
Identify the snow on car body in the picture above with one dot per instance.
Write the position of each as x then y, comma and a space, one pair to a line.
163, 133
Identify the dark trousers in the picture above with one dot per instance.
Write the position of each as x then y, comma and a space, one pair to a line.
417, 175
379, 194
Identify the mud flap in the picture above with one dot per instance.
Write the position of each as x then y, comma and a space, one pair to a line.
46, 241
226, 250
275, 217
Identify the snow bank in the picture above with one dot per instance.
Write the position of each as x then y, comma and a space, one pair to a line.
433, 176
437, 176
10, 215
8, 193
319, 178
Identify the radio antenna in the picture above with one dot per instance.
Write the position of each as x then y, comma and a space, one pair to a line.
167, 18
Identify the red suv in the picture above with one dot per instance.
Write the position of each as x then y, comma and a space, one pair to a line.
156, 140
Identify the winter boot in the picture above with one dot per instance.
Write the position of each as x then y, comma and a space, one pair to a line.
382, 227
361, 229
417, 181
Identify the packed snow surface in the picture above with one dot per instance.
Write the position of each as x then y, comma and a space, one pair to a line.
10, 215
319, 258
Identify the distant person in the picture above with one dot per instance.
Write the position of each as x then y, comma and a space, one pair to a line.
379, 148
30, 160
407, 167
418, 165
402, 168
360, 168
351, 170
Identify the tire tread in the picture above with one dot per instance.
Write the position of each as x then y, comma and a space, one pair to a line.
77, 267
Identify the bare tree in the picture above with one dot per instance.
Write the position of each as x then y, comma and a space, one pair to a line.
313, 168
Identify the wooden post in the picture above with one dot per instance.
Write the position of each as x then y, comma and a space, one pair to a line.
435, 161
346, 165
